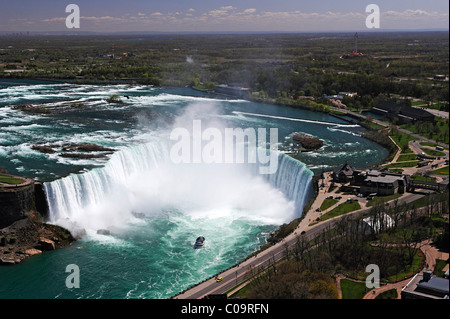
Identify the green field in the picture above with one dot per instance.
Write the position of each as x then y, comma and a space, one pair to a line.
402, 140
406, 157
433, 152
441, 171
403, 164
344, 208
382, 199
437, 131
389, 294
8, 179
423, 178
353, 290
327, 203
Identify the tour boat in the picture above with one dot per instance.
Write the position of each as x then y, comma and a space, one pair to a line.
199, 242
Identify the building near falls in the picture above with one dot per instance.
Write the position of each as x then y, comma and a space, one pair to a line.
402, 113
382, 183
426, 286
232, 90
371, 181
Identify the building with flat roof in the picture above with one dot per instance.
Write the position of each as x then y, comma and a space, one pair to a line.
402, 113
382, 182
371, 181
426, 286
232, 90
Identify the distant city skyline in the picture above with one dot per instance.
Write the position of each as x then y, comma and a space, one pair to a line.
221, 15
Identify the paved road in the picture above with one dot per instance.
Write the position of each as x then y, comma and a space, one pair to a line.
438, 113
237, 275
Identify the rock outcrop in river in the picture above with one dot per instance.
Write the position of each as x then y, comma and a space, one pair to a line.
308, 142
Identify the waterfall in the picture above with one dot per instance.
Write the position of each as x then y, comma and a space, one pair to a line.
294, 180
142, 179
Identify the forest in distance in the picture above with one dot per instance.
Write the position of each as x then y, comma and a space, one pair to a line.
286, 67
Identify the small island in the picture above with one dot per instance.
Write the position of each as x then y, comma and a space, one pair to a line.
307, 142
75, 150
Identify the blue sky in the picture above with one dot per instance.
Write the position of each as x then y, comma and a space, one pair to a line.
221, 15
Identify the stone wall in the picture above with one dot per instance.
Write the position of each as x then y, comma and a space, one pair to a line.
40, 199
15, 202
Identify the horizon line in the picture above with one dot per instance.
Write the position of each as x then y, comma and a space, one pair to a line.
80, 33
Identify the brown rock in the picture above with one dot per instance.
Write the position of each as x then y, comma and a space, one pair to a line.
7, 261
46, 244
33, 251
307, 141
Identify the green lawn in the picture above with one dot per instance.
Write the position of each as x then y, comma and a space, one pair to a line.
327, 203
353, 290
382, 199
407, 157
433, 152
403, 164
437, 131
407, 151
389, 294
344, 208
423, 178
402, 139
8, 179
440, 264
441, 171
417, 264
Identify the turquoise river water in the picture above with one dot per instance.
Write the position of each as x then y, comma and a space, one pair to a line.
154, 208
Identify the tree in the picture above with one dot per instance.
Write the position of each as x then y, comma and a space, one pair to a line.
412, 240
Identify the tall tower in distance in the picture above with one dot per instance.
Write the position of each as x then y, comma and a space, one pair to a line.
355, 52
113, 50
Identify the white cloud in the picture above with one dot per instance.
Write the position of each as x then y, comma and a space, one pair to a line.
249, 11
229, 18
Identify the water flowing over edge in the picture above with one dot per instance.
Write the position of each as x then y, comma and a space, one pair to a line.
123, 186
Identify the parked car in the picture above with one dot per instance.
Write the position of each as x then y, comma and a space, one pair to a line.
329, 197
338, 197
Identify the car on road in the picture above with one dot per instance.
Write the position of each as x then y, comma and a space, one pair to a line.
338, 197
329, 197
